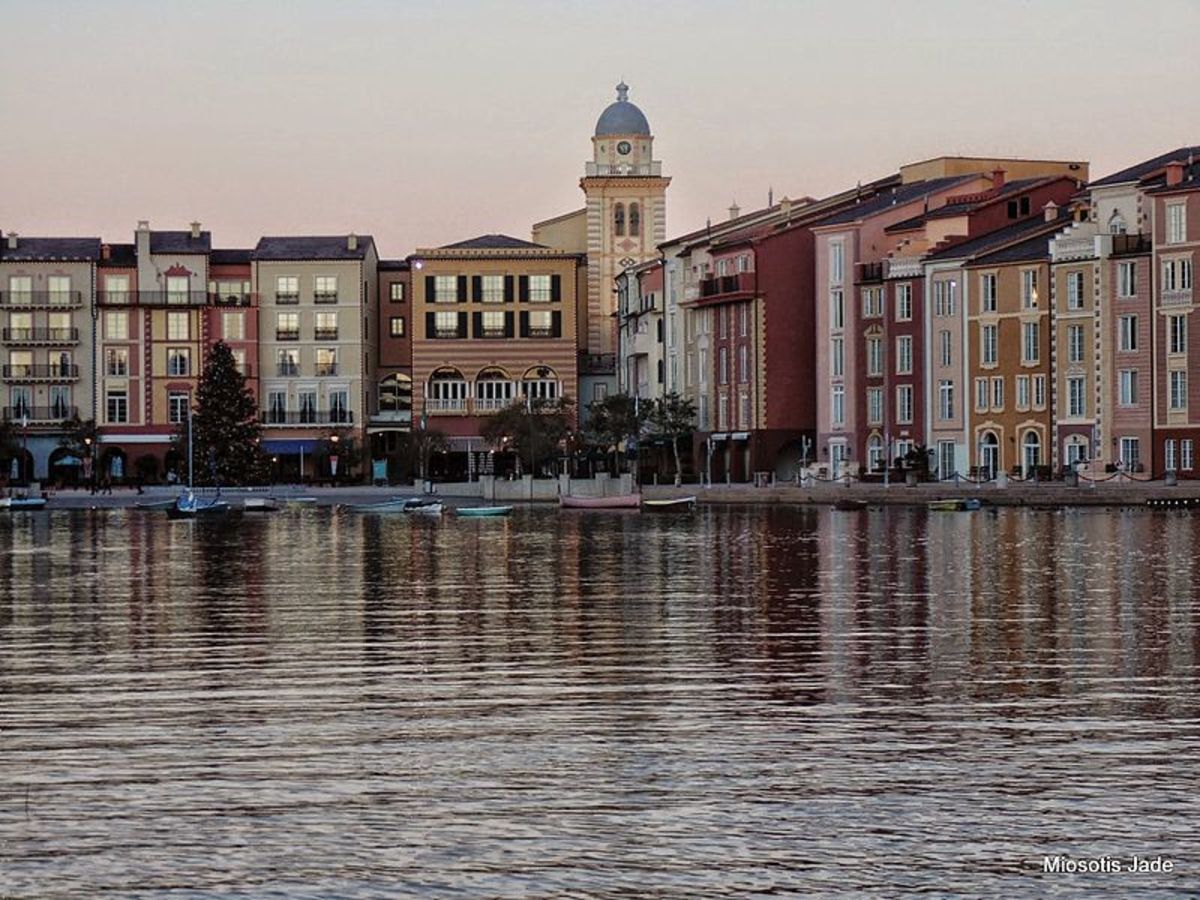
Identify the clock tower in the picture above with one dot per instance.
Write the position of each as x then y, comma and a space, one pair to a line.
626, 211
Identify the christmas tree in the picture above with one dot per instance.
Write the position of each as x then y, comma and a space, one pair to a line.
225, 430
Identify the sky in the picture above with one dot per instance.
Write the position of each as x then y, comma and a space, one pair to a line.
426, 123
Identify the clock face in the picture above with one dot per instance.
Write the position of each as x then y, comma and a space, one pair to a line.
623, 148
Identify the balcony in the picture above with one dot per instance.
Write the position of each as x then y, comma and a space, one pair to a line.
539, 331
905, 267
287, 334
457, 405
287, 299
449, 333
603, 170
41, 335
392, 417
40, 415
1129, 244
232, 299
287, 370
153, 298
307, 417
326, 370
41, 372
1182, 297
597, 364
866, 273
325, 334
325, 297
727, 287
492, 404
42, 299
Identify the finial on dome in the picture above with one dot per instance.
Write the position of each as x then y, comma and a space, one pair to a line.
622, 92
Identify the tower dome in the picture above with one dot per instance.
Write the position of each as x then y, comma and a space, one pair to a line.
622, 117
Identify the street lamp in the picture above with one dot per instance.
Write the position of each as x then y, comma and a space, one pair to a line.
24, 444
87, 459
333, 457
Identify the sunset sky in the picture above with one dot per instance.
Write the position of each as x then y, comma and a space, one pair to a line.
424, 123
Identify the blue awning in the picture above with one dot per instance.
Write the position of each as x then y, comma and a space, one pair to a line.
286, 447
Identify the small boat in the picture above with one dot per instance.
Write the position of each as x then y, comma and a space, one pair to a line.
424, 507
483, 511
260, 504
673, 503
848, 504
398, 505
954, 504
627, 501
14, 504
189, 506
155, 504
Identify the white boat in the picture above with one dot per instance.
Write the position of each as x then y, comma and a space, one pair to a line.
17, 503
672, 503
260, 504
189, 506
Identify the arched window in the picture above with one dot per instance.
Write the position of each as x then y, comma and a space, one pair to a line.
875, 460
447, 391
635, 220
1032, 457
989, 454
540, 383
619, 219
493, 390
395, 394
1116, 223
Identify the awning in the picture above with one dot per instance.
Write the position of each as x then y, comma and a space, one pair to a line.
718, 437
286, 447
740, 436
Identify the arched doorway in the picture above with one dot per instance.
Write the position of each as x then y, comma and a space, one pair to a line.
875, 456
1075, 451
113, 465
1031, 453
989, 455
65, 468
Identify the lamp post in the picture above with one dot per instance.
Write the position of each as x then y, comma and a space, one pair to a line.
333, 457
87, 460
25, 446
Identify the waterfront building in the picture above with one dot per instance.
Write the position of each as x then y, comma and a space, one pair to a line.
641, 331
318, 305
47, 289
496, 322
232, 312
621, 224
391, 411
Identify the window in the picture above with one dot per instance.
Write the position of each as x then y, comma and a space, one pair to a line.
233, 326
945, 349
540, 289
723, 366
837, 310
492, 289
635, 220
945, 399
998, 392
445, 325
1039, 391
838, 406
58, 289
493, 323
541, 323
1187, 454
178, 326
1029, 343
1177, 334
743, 263
1029, 292
1126, 279
116, 326
872, 302
743, 319
904, 358
396, 291
981, 394
338, 400
1022, 392
276, 406
60, 402
944, 302
239, 360
987, 345
875, 356
1177, 274
116, 288
20, 289
1075, 343
1130, 452
1076, 398
722, 323
325, 289
619, 220
326, 361
837, 262
743, 366
837, 357
1127, 387
288, 362
308, 405
1127, 333
179, 361
987, 293
875, 406
396, 326
177, 406
445, 289
326, 327
904, 404
116, 362
945, 458
1169, 455
1176, 223
1074, 290
287, 289
1178, 388
177, 288
904, 302
287, 326
116, 406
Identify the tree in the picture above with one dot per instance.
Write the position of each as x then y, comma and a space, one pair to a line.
423, 442
534, 429
10, 446
674, 418
225, 430
79, 436
616, 418
346, 448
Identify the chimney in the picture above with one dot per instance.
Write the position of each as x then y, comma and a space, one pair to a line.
12, 240
1050, 211
352, 242
997, 179
105, 251
1174, 173
195, 231
785, 207
142, 238
734, 211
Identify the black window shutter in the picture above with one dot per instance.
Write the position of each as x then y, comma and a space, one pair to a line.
524, 289
508, 289
430, 288
476, 288
555, 288
508, 324
430, 326
462, 323
524, 319
477, 324
556, 324
462, 288
660, 371
660, 334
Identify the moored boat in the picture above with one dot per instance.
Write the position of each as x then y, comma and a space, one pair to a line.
626, 501
849, 504
676, 503
13, 504
299, 501
260, 504
155, 504
483, 511
957, 504
189, 506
